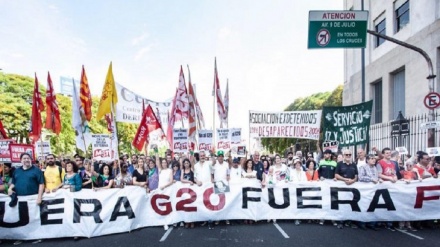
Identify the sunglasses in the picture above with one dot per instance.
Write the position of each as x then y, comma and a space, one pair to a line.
347, 154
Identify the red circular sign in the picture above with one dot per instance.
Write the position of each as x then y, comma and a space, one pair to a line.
432, 100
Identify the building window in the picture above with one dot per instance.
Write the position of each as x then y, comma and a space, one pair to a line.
377, 102
380, 28
398, 93
402, 16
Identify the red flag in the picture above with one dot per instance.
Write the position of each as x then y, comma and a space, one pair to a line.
218, 95
37, 107
192, 111
85, 95
171, 121
148, 124
53, 121
182, 107
3, 134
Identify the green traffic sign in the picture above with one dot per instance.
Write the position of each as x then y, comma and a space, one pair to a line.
337, 29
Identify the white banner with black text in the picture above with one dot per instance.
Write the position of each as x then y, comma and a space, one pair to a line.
287, 124
90, 213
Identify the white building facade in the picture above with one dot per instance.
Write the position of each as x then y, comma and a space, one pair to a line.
395, 77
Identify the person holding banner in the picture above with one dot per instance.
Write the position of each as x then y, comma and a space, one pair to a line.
165, 177
7, 172
53, 175
311, 173
104, 177
279, 170
153, 175
72, 180
235, 172
257, 165
124, 177
347, 172
368, 173
140, 176
87, 178
203, 175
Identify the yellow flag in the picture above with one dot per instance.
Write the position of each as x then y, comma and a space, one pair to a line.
109, 95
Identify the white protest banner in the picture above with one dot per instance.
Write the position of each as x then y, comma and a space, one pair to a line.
180, 140
235, 136
402, 150
101, 148
88, 213
205, 140
288, 124
238, 151
433, 151
223, 140
129, 107
42, 149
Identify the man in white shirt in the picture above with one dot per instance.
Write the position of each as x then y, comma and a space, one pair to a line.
220, 169
235, 172
220, 172
361, 160
203, 175
203, 170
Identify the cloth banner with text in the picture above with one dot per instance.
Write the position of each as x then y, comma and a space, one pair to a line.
129, 107
205, 140
180, 140
349, 125
90, 213
287, 124
101, 148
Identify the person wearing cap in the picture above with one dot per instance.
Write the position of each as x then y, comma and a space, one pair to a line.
220, 172
235, 172
7, 172
327, 166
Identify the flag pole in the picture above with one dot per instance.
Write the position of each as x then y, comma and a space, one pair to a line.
214, 93
116, 134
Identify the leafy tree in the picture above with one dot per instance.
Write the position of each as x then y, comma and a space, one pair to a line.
312, 102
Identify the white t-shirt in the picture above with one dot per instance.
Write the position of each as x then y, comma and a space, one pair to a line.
235, 174
220, 171
164, 177
202, 172
361, 163
297, 176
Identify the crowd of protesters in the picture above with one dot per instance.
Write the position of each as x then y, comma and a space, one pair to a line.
156, 173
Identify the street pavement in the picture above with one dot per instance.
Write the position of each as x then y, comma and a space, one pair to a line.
283, 233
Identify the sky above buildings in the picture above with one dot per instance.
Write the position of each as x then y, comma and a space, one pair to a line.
261, 47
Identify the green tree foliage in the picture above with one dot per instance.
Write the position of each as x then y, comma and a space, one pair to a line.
312, 102
15, 111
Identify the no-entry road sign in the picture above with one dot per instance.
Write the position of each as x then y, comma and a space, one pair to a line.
337, 29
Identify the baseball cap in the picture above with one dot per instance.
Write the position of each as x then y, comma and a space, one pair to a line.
220, 153
236, 160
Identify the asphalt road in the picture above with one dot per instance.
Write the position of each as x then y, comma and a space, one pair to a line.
283, 233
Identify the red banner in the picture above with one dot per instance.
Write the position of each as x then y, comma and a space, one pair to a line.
5, 154
17, 149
